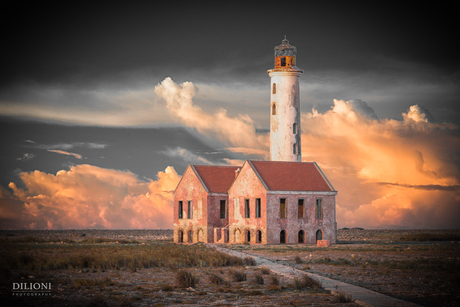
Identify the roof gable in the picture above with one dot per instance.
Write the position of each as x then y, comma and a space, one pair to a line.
216, 179
291, 176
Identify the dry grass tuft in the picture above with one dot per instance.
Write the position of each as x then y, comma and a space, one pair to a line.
216, 279
274, 280
185, 279
342, 297
238, 275
249, 261
265, 271
259, 279
307, 282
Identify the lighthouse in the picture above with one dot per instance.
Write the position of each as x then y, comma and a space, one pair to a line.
285, 105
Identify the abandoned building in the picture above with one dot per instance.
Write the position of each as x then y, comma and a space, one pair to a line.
261, 202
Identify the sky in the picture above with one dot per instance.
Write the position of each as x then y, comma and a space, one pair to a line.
102, 107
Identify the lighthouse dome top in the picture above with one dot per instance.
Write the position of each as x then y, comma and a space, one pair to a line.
285, 49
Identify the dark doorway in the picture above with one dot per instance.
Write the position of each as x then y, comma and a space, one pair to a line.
248, 236
259, 236
181, 236
301, 236
319, 235
283, 237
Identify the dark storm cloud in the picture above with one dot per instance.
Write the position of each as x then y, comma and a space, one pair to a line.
86, 44
56, 147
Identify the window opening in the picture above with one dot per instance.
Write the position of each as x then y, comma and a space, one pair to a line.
223, 211
273, 109
283, 237
190, 210
301, 213
259, 236
294, 128
282, 208
294, 148
246, 208
319, 235
319, 213
181, 209
274, 88
257, 207
301, 236
283, 61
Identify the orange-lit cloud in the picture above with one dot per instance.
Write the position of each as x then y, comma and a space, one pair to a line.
388, 172
62, 152
231, 131
87, 196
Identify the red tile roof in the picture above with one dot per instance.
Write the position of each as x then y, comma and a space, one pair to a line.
291, 176
217, 179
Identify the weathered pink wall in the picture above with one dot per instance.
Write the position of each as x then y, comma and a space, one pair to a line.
247, 186
190, 188
292, 224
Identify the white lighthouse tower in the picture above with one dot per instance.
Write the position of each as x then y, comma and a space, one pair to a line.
285, 105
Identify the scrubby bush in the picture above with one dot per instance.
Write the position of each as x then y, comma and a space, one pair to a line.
216, 279
274, 280
342, 297
259, 279
249, 261
305, 281
185, 279
238, 275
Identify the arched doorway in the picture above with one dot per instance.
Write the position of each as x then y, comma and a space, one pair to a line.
190, 236
200, 235
301, 236
283, 237
248, 236
237, 236
258, 236
319, 235
180, 236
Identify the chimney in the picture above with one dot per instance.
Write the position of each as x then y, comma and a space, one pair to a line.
237, 171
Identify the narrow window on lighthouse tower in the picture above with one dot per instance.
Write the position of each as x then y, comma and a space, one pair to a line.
294, 148
294, 128
274, 88
273, 109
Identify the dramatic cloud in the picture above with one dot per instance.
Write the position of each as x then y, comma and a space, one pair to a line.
66, 146
26, 156
186, 155
231, 131
62, 152
87, 196
388, 172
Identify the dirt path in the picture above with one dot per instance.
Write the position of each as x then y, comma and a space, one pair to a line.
361, 296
